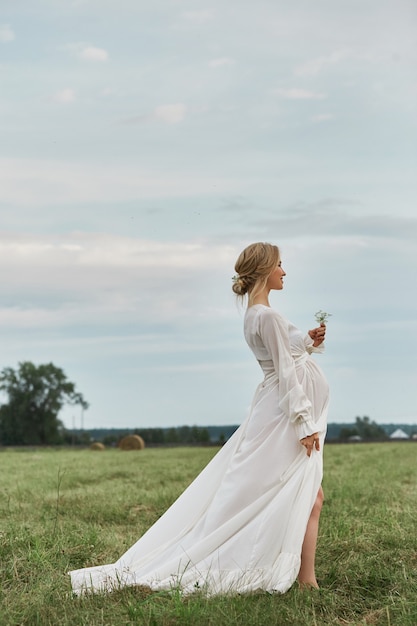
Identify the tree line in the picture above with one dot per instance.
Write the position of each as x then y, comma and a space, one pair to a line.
365, 429
35, 395
180, 435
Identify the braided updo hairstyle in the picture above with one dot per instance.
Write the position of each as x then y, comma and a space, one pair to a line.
253, 267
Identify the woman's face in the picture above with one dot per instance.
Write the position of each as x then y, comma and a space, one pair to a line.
275, 279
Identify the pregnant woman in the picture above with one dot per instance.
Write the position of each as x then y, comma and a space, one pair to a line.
249, 521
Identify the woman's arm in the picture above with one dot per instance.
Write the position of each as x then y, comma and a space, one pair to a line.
273, 330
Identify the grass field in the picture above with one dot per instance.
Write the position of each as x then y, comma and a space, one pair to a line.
64, 509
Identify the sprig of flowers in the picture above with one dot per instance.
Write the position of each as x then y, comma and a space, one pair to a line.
322, 317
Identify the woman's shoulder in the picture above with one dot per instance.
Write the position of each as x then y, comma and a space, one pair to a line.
264, 313
262, 309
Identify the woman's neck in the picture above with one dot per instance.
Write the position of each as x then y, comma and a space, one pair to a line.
260, 298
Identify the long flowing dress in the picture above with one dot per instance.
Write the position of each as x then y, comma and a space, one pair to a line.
240, 525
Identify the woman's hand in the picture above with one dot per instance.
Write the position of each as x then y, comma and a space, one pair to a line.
311, 442
318, 335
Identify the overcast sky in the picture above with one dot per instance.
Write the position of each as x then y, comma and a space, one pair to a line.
144, 144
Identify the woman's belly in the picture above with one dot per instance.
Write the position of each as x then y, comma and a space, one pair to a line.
315, 386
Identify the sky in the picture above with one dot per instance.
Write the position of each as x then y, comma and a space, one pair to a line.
143, 145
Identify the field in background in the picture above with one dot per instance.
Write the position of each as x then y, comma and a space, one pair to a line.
64, 509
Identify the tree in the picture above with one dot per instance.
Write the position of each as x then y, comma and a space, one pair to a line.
36, 394
172, 436
370, 430
347, 432
151, 435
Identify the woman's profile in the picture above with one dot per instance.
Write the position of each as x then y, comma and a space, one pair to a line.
249, 521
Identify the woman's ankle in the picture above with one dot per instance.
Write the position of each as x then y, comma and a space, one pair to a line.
308, 584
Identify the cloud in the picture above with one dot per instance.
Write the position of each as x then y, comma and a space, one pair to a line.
87, 52
90, 53
6, 33
170, 113
52, 183
65, 96
338, 218
319, 64
299, 94
77, 278
221, 62
107, 250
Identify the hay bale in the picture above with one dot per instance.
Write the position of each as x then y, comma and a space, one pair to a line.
131, 442
97, 445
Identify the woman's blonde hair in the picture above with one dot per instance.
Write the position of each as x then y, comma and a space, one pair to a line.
253, 266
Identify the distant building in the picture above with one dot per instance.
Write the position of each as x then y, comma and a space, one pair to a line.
399, 434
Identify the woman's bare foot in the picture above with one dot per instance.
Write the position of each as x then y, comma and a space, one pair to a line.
308, 586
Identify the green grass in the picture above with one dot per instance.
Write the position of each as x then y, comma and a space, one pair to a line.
64, 509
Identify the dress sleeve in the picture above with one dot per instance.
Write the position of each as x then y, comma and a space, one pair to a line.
273, 330
308, 342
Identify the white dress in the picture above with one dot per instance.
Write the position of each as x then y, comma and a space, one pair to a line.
240, 525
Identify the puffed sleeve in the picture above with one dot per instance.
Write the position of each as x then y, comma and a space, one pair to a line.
273, 330
308, 342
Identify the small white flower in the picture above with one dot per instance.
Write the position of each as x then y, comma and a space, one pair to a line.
322, 317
